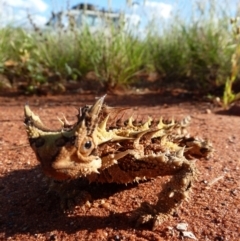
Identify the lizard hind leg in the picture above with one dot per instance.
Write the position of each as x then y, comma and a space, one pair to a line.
174, 192
172, 195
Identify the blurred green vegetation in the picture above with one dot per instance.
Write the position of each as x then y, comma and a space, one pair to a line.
199, 53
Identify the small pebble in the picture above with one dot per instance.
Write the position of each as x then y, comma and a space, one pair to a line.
208, 111
182, 226
88, 204
189, 234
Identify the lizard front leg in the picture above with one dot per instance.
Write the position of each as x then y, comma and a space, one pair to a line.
71, 193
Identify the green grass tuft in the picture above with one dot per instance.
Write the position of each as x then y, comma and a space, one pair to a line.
195, 53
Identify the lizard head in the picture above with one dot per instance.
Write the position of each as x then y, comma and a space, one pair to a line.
70, 152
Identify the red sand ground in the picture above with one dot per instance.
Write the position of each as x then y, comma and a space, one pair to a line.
28, 212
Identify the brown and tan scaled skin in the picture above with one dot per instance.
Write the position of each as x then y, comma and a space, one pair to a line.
125, 152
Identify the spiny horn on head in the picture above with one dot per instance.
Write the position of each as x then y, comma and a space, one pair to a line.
31, 119
91, 116
96, 108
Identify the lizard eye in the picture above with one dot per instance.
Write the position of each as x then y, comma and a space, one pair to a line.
88, 144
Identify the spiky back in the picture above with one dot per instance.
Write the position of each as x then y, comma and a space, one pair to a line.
95, 145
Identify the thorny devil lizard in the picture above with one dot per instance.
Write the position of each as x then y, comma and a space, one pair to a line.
124, 152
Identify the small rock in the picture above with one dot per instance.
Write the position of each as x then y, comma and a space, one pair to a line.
231, 139
217, 102
105, 205
208, 111
189, 234
117, 237
182, 226
88, 204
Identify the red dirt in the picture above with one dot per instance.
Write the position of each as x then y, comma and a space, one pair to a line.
28, 212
